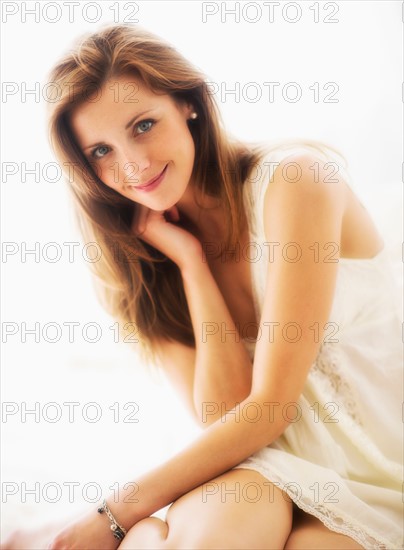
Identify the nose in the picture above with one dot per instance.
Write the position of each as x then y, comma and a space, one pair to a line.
133, 164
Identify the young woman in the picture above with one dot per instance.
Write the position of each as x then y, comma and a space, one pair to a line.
258, 282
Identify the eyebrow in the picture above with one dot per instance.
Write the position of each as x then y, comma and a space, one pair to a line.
132, 120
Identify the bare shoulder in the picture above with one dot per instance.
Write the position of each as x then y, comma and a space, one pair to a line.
177, 361
312, 185
301, 197
303, 216
309, 173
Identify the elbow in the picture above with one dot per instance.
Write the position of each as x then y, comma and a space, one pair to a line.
208, 411
268, 417
264, 419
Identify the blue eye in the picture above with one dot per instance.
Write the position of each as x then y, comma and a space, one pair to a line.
144, 125
101, 149
141, 128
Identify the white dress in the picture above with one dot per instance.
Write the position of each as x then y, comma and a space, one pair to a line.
342, 460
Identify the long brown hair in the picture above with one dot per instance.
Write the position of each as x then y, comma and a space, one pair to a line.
134, 282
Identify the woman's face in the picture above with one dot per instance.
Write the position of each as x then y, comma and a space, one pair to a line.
131, 136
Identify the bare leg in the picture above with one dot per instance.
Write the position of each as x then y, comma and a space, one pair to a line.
310, 533
237, 510
187, 515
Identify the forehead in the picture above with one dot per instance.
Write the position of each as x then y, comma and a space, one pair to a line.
119, 99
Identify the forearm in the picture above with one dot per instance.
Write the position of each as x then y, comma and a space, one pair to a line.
220, 447
223, 369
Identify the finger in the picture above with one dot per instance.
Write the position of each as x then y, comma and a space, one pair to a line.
139, 222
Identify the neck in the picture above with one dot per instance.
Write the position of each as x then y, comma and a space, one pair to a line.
205, 218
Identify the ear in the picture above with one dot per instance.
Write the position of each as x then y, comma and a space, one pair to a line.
188, 109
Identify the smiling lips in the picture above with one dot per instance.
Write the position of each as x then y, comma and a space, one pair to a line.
153, 183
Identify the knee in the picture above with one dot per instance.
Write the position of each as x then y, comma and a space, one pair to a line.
149, 533
208, 541
193, 527
223, 514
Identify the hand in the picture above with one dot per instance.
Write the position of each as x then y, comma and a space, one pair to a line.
91, 532
159, 230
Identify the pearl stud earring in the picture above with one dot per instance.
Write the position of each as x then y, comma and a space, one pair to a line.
194, 115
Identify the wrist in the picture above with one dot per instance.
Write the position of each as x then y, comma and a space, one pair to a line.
118, 531
128, 505
192, 263
192, 267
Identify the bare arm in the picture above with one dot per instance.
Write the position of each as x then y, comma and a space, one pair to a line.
299, 292
217, 374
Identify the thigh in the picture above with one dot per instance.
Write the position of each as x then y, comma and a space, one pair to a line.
309, 533
237, 510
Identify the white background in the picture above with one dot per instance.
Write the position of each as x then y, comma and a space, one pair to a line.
361, 53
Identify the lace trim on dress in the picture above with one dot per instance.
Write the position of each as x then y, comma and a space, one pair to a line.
329, 379
326, 370
336, 521
340, 524
327, 374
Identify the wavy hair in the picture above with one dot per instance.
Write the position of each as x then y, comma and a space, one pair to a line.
134, 282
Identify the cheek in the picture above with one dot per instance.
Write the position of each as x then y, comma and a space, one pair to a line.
105, 174
109, 175
184, 149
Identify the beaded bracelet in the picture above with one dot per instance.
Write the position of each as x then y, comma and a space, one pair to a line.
118, 531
